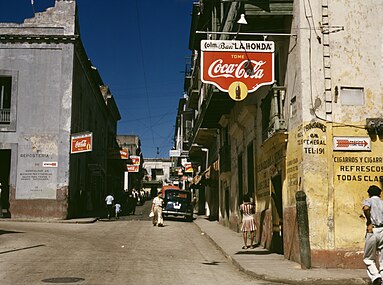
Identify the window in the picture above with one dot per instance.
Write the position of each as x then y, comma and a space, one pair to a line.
352, 96
8, 100
240, 179
293, 107
157, 172
250, 169
5, 99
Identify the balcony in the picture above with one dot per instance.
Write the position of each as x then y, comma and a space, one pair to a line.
276, 125
5, 116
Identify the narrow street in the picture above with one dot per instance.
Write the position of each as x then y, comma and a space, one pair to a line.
125, 251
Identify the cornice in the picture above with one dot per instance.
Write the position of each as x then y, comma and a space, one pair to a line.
12, 38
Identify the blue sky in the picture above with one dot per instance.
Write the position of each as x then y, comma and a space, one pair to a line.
140, 48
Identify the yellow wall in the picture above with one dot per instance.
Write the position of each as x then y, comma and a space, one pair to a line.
335, 182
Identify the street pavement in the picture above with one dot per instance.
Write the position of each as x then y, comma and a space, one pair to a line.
273, 267
259, 263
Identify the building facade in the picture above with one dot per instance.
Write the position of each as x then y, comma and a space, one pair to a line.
50, 92
130, 146
316, 131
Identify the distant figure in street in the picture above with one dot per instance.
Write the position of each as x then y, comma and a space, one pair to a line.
157, 210
109, 205
248, 223
117, 209
373, 212
134, 200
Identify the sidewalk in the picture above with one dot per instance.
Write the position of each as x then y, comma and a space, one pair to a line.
273, 267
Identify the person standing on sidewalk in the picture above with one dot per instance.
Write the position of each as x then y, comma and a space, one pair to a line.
157, 210
109, 205
373, 212
248, 223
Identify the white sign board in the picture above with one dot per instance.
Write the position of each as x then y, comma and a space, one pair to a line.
175, 153
352, 143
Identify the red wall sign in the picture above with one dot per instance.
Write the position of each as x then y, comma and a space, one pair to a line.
124, 153
237, 66
81, 142
132, 168
136, 160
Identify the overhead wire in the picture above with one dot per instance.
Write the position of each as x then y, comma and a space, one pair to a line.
310, 72
144, 71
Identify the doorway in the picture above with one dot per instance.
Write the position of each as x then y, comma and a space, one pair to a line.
276, 196
5, 162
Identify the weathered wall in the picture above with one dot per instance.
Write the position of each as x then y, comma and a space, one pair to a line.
40, 161
348, 55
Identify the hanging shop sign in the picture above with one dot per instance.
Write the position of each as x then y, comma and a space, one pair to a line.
135, 166
124, 153
136, 160
132, 168
175, 153
81, 142
352, 143
188, 167
237, 67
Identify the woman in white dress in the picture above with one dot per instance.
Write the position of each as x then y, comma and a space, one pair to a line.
157, 210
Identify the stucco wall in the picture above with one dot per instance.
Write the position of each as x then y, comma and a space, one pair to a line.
345, 52
43, 69
43, 120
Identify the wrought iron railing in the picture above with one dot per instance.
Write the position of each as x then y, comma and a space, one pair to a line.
5, 116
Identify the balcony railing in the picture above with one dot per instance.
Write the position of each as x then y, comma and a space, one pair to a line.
5, 116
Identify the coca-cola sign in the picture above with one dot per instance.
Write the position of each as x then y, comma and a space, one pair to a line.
237, 67
81, 142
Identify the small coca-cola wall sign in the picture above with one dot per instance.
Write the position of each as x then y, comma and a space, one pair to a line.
81, 142
237, 67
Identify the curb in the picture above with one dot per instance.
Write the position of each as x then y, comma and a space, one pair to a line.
284, 280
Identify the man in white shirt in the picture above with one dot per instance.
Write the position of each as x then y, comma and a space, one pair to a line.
109, 205
373, 211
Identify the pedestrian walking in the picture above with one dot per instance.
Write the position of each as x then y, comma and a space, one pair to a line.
117, 209
134, 200
157, 210
248, 224
109, 205
373, 212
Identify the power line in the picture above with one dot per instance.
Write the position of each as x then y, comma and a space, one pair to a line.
143, 69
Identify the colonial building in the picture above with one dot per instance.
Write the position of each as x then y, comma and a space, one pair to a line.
133, 160
314, 133
58, 151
